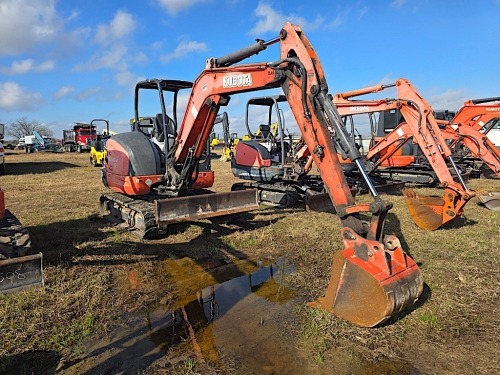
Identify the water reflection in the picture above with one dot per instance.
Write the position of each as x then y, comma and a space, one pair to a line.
238, 313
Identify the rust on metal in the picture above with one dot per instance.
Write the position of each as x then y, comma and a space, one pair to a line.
426, 212
369, 284
195, 207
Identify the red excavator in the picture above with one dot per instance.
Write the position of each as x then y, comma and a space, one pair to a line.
158, 177
418, 124
477, 114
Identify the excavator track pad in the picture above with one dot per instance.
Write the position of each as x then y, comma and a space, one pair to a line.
21, 273
369, 284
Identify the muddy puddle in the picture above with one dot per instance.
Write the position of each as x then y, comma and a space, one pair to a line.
237, 311
240, 318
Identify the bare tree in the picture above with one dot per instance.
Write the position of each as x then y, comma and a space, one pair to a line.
23, 126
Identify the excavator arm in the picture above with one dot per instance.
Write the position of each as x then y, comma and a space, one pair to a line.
476, 142
428, 212
477, 113
372, 278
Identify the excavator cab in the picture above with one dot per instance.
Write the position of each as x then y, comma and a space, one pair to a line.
266, 155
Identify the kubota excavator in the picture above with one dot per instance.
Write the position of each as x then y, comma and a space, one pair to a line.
466, 134
157, 175
273, 162
420, 126
477, 114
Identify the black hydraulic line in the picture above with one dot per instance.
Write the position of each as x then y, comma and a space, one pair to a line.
346, 143
485, 100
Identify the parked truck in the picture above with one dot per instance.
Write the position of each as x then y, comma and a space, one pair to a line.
78, 138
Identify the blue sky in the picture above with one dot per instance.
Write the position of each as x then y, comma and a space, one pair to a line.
76, 60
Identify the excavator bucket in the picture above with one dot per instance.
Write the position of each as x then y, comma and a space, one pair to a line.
368, 285
491, 201
431, 212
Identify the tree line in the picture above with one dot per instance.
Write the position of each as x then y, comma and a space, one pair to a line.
22, 127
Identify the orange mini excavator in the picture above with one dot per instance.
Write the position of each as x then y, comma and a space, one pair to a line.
466, 135
418, 124
159, 176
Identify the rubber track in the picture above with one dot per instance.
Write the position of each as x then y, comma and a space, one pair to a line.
15, 240
141, 207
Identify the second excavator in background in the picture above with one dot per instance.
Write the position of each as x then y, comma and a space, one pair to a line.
416, 123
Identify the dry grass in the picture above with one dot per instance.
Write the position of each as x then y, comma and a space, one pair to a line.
89, 266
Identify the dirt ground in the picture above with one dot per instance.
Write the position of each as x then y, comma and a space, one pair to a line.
112, 301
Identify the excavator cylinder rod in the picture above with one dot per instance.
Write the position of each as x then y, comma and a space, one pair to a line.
195, 207
370, 283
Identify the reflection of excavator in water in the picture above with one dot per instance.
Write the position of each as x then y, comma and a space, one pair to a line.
158, 178
420, 126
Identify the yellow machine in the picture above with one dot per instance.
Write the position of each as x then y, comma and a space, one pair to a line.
97, 146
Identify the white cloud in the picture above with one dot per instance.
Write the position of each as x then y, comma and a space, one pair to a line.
26, 66
63, 91
13, 97
387, 79
363, 11
398, 3
112, 58
87, 93
450, 99
175, 6
27, 23
272, 20
127, 79
120, 26
184, 48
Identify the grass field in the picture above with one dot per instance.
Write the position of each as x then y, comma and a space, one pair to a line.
97, 273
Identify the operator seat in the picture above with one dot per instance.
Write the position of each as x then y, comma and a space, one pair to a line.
265, 130
159, 130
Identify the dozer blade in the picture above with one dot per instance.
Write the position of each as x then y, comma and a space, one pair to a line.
320, 202
491, 201
21, 273
196, 207
370, 284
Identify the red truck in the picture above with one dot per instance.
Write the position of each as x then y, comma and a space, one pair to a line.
78, 138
